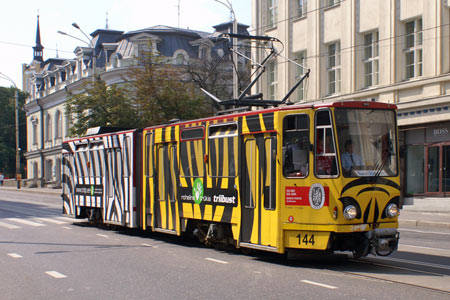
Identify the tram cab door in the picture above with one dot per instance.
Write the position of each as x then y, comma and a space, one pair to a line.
258, 190
166, 215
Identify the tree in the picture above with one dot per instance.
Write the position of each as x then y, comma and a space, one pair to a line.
214, 72
7, 130
100, 105
162, 93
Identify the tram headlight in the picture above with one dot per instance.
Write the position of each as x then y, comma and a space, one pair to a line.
350, 212
392, 210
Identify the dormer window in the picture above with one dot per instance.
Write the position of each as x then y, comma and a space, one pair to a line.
180, 57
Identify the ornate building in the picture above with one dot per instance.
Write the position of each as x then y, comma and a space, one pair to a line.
112, 53
384, 50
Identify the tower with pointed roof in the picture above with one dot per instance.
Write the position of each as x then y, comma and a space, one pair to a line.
38, 50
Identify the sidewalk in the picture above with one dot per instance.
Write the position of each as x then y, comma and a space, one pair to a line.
425, 212
417, 212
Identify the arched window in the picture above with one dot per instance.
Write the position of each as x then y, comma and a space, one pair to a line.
180, 57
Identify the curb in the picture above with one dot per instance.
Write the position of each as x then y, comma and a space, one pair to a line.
56, 192
425, 224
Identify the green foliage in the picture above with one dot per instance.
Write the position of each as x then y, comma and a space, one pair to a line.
100, 105
7, 130
162, 94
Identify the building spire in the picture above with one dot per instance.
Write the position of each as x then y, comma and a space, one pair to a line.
38, 53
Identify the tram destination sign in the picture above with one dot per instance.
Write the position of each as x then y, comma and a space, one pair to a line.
94, 190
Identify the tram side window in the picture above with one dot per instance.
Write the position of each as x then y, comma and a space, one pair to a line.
325, 150
296, 146
126, 157
192, 152
222, 150
149, 155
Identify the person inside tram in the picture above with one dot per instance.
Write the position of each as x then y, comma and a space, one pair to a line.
350, 160
325, 156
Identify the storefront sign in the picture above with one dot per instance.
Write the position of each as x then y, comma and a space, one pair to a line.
438, 133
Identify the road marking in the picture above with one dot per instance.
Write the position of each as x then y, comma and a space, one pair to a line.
26, 222
50, 221
15, 255
216, 260
147, 245
66, 219
66, 227
55, 274
319, 284
102, 235
384, 264
10, 226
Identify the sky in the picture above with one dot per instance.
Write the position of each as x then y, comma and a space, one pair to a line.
18, 22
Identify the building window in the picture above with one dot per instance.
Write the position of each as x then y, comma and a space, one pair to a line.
334, 68
301, 7
67, 124
370, 61
34, 137
272, 73
413, 49
272, 12
331, 2
300, 58
58, 124
48, 129
180, 57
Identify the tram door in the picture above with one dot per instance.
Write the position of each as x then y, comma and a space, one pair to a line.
113, 209
166, 213
258, 190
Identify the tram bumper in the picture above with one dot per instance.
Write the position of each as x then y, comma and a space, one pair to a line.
383, 241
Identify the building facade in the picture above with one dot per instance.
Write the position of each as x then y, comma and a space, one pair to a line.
110, 56
394, 51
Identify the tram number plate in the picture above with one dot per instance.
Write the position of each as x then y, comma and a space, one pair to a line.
306, 239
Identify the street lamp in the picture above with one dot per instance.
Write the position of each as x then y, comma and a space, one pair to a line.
16, 96
234, 41
90, 44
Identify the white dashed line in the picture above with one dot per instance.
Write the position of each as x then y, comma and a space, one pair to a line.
15, 255
50, 220
55, 274
102, 235
10, 226
319, 284
216, 260
26, 222
147, 245
66, 227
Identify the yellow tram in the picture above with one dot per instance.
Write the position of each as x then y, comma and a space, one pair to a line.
278, 178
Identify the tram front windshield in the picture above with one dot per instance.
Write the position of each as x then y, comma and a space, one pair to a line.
367, 142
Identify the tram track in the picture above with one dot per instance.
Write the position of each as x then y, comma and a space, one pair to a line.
403, 271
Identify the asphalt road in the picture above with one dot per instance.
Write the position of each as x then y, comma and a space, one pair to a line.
44, 255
